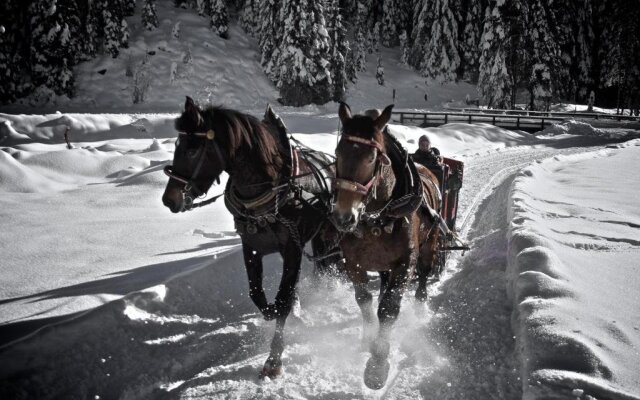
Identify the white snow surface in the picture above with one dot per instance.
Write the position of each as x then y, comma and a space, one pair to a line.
573, 274
122, 299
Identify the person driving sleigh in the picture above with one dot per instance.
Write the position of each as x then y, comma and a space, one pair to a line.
427, 155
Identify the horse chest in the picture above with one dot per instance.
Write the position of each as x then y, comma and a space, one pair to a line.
377, 253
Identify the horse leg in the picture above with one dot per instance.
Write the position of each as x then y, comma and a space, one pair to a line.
292, 256
384, 282
377, 369
422, 272
253, 265
426, 262
365, 300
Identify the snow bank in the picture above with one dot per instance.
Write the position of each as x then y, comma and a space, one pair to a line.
573, 230
601, 129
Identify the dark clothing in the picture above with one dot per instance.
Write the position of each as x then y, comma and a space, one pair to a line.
429, 158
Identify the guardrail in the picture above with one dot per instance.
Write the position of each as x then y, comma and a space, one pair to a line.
521, 122
566, 114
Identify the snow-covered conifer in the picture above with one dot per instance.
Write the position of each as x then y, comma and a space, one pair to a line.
112, 33
128, 7
175, 31
380, 72
360, 52
469, 47
202, 7
149, 15
249, 18
219, 20
375, 38
304, 63
543, 53
494, 82
441, 59
391, 18
51, 58
404, 46
339, 49
270, 37
421, 31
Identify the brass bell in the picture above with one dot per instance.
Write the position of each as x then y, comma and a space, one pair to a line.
262, 222
252, 229
271, 219
389, 228
376, 231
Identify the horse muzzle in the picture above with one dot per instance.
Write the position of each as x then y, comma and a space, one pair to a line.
344, 221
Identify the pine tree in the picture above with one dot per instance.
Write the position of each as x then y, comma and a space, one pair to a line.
112, 33
494, 82
360, 52
375, 38
544, 54
129, 7
404, 46
339, 49
202, 7
219, 20
469, 47
425, 11
380, 72
441, 54
391, 18
270, 37
149, 15
304, 77
249, 17
51, 58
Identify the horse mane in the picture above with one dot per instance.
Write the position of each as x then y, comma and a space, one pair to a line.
237, 130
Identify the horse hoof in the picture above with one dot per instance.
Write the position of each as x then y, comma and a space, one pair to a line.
271, 372
376, 373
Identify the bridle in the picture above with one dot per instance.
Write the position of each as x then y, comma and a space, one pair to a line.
356, 187
189, 183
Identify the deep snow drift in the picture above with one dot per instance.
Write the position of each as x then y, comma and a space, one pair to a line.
573, 274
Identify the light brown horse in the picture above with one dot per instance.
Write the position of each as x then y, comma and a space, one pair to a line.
365, 181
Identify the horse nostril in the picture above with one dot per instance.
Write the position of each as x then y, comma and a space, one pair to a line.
169, 204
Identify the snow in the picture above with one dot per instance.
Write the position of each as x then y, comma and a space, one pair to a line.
105, 294
573, 276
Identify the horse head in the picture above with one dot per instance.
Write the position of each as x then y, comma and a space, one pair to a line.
360, 156
197, 161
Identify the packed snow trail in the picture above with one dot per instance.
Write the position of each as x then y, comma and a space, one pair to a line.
198, 335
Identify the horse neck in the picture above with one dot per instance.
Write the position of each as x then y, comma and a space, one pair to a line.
250, 177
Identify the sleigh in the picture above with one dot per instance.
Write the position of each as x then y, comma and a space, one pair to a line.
450, 178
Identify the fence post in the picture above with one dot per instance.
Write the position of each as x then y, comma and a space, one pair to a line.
518, 122
542, 124
446, 118
469, 118
493, 120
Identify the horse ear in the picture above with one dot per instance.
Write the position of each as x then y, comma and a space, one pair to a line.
189, 104
384, 118
191, 111
344, 112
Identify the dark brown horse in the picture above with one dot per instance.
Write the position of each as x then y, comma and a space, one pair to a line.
275, 193
384, 229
